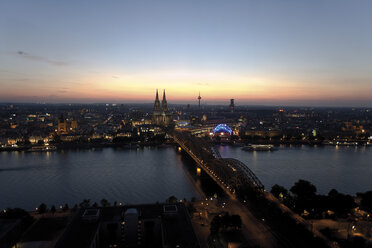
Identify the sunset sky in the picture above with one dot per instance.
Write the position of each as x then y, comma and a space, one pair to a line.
316, 53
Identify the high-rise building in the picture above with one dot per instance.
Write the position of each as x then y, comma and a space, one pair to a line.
232, 105
199, 98
161, 115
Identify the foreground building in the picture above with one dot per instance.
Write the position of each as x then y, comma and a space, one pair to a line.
155, 225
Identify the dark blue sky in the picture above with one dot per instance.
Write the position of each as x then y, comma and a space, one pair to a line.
259, 52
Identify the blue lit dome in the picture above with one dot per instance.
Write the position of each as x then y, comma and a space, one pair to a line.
222, 128
182, 123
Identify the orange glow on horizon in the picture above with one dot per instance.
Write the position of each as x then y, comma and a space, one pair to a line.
181, 86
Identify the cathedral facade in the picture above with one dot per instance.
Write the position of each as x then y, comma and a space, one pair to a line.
161, 115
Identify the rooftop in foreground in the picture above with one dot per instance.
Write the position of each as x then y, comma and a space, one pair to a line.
153, 225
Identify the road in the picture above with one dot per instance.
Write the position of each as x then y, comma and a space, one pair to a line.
255, 231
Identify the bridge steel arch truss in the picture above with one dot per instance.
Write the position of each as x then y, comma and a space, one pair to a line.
244, 174
229, 173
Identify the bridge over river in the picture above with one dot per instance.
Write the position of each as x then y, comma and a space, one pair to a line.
237, 180
233, 176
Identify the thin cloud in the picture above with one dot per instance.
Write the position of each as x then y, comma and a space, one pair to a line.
12, 72
41, 59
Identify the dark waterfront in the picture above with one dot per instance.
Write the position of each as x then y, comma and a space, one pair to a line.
129, 176
154, 174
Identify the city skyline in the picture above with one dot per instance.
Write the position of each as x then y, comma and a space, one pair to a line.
274, 53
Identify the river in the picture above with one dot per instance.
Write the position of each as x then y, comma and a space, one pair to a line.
153, 174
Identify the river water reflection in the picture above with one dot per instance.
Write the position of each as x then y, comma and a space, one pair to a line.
347, 169
128, 176
153, 174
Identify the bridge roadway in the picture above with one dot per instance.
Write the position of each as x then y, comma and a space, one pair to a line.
235, 177
230, 174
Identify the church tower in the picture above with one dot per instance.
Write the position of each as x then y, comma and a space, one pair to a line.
164, 103
156, 115
161, 115
157, 102
62, 125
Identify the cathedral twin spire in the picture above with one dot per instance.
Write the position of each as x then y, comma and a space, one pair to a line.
164, 102
157, 102
161, 116
164, 106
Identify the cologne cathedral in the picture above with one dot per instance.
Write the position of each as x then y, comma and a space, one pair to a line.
161, 115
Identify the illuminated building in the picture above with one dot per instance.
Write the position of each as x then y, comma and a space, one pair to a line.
263, 133
12, 141
222, 132
74, 125
141, 122
62, 125
161, 115
70, 138
35, 139
222, 129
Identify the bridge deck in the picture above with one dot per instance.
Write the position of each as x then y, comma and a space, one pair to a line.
230, 174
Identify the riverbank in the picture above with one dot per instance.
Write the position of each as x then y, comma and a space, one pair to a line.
133, 145
59, 147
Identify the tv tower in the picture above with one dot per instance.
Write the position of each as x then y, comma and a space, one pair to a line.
199, 98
